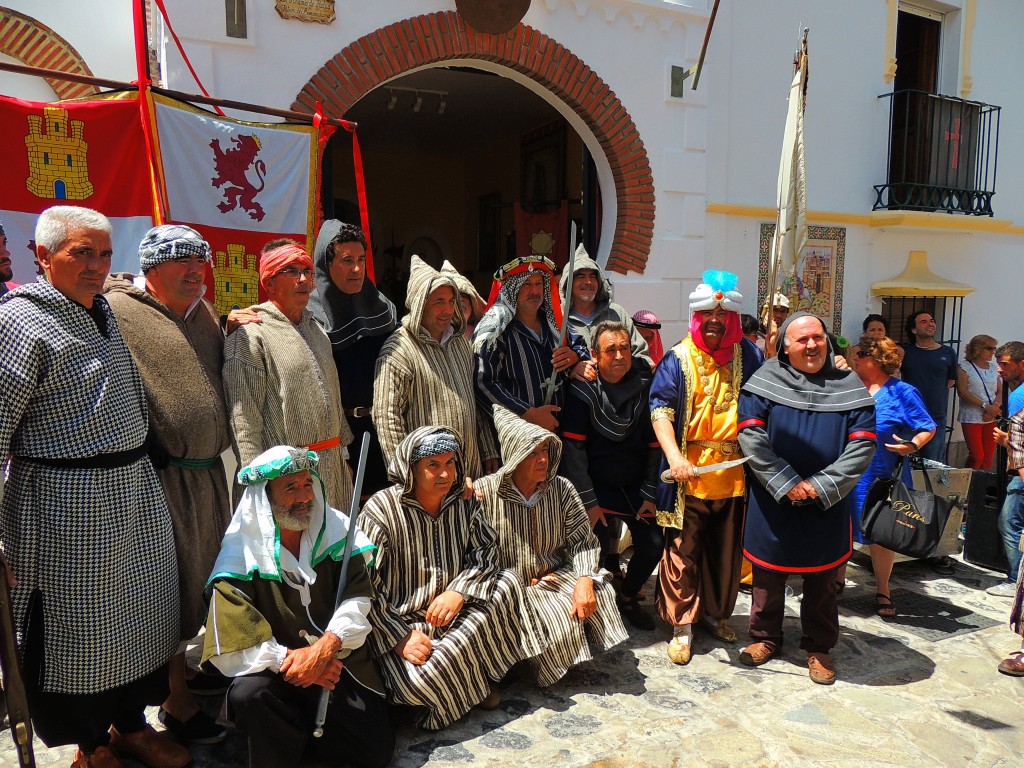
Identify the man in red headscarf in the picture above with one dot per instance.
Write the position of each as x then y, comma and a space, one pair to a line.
693, 406
280, 380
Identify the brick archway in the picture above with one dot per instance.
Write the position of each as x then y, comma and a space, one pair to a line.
423, 40
36, 45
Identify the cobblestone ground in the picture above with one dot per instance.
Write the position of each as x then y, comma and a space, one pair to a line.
919, 691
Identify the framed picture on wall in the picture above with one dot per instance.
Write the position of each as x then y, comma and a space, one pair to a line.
542, 178
817, 286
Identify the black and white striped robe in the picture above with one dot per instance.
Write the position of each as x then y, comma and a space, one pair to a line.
553, 535
418, 557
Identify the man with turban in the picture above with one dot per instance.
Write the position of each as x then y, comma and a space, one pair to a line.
280, 379
358, 319
809, 430
175, 338
649, 326
544, 535
516, 344
425, 372
273, 624
694, 398
446, 619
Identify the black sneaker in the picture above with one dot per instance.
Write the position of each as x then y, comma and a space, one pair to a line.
635, 614
198, 729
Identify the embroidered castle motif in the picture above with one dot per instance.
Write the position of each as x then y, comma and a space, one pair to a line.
57, 156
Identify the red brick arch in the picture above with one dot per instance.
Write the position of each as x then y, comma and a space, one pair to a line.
437, 37
36, 45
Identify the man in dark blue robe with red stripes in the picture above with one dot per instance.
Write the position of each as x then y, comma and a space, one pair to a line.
809, 430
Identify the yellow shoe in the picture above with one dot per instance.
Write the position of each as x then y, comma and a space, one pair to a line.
680, 647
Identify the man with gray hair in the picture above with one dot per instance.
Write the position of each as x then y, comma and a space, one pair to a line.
175, 338
84, 524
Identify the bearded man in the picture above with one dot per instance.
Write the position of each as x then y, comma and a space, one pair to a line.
809, 430
694, 398
273, 624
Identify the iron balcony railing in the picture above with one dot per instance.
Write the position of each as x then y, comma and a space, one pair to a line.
942, 154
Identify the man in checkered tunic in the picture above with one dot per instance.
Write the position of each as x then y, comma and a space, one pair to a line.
83, 522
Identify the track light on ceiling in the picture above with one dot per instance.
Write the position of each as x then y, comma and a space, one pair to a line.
442, 105
418, 103
392, 99
396, 91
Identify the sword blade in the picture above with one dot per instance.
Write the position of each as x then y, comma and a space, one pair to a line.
666, 476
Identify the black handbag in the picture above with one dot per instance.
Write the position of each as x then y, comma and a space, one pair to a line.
906, 521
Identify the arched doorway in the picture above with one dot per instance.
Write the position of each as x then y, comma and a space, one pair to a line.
536, 63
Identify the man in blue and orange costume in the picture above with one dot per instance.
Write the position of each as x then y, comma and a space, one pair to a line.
809, 430
694, 399
516, 344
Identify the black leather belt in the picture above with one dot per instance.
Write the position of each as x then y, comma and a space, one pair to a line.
358, 413
99, 461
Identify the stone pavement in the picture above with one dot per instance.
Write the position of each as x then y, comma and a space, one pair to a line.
919, 691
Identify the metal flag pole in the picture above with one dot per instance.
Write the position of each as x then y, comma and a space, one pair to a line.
353, 514
552, 383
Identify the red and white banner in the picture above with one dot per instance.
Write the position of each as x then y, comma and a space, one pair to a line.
88, 153
241, 185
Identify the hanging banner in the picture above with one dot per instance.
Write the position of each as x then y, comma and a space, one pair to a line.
241, 185
88, 153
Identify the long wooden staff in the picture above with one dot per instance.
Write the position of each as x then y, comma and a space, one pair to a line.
14, 683
353, 514
552, 383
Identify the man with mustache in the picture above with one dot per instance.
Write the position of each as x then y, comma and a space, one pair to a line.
85, 526
280, 379
425, 373
175, 338
273, 625
6, 272
694, 398
809, 430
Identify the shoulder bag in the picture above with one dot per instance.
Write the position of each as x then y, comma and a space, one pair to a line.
904, 520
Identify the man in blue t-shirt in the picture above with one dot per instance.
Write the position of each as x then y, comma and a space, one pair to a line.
1010, 359
932, 368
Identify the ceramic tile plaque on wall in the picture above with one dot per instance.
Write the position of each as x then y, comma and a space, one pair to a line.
313, 11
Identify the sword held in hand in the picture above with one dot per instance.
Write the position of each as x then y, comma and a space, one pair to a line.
666, 476
552, 383
353, 514
14, 683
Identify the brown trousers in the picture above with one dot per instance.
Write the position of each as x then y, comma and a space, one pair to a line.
700, 567
819, 614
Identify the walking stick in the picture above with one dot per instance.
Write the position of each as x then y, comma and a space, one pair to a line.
14, 683
353, 513
552, 383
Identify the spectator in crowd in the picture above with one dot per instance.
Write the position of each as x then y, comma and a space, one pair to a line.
1014, 664
358, 319
587, 295
425, 373
545, 537
274, 627
473, 306
6, 272
874, 327
809, 430
85, 526
516, 345
649, 327
446, 632
902, 426
693, 408
280, 381
1010, 365
780, 309
981, 395
611, 456
932, 368
1010, 358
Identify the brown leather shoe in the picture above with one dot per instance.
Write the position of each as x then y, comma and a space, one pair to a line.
101, 758
152, 749
823, 672
1013, 665
491, 701
756, 654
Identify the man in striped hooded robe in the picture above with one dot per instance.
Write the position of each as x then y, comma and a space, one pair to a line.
544, 535
447, 619
425, 372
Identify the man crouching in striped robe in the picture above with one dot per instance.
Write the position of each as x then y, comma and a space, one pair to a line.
446, 619
544, 535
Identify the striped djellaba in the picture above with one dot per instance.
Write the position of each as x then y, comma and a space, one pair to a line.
549, 534
418, 558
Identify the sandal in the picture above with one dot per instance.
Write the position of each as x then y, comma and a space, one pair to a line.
886, 610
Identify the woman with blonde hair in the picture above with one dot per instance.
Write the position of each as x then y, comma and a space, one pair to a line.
980, 390
902, 426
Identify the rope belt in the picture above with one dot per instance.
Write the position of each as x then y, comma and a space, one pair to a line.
727, 447
196, 464
99, 461
325, 445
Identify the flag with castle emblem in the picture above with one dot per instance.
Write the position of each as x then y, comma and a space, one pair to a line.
90, 153
240, 184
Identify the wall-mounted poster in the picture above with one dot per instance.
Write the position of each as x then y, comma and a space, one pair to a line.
817, 286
